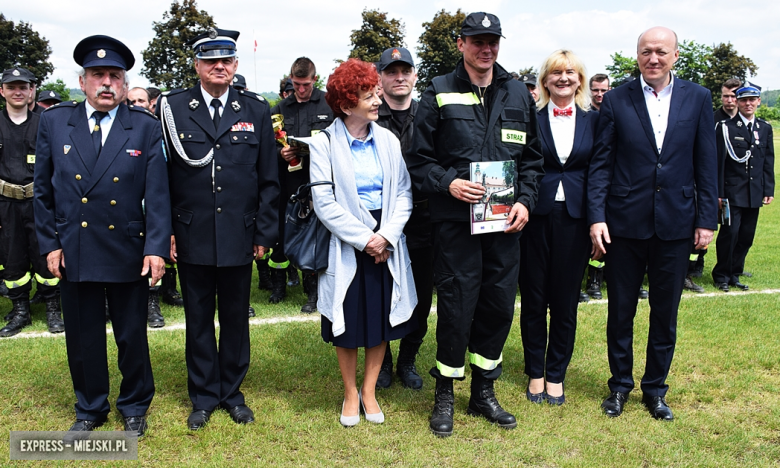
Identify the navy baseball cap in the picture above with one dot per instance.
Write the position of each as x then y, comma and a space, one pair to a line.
239, 82
393, 55
528, 79
215, 43
49, 96
17, 74
103, 51
481, 23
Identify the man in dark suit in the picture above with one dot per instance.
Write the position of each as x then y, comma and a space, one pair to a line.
746, 178
654, 149
97, 236
224, 196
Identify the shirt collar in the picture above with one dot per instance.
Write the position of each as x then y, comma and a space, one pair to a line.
667, 90
90, 110
350, 139
745, 119
207, 98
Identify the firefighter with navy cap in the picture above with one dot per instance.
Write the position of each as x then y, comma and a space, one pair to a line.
746, 182
97, 161
476, 113
224, 198
18, 242
47, 98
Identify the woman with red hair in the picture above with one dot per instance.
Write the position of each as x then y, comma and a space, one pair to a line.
366, 295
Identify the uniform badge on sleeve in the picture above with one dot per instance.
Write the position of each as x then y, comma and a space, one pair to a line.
134, 153
243, 127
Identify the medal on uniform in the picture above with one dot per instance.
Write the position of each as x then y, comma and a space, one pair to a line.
66, 148
235, 105
755, 134
194, 104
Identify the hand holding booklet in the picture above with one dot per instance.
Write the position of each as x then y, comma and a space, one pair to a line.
498, 179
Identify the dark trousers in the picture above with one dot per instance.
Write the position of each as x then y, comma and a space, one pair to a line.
554, 250
84, 312
667, 264
476, 278
214, 375
733, 244
422, 270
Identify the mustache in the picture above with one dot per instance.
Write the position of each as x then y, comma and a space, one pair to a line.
105, 89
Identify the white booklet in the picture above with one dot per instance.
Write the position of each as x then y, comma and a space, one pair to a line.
498, 178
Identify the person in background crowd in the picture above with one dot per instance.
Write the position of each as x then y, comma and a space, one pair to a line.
138, 97
530, 82
154, 93
239, 82
47, 99
599, 85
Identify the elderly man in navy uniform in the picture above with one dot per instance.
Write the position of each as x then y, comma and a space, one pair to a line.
224, 197
95, 233
746, 178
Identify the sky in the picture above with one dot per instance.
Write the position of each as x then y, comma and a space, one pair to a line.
320, 30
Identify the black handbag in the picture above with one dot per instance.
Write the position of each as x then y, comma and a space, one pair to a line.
306, 239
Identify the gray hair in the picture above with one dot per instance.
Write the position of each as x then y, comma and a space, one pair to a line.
83, 75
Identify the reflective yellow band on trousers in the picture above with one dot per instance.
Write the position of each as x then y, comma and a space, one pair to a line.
278, 266
596, 263
465, 99
47, 281
484, 363
452, 372
693, 257
19, 282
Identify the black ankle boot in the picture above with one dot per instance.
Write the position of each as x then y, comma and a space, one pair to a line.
443, 408
595, 279
386, 371
263, 275
154, 317
292, 277
405, 368
279, 282
20, 318
168, 289
54, 314
483, 403
310, 288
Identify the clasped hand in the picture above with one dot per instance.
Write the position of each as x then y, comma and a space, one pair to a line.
377, 248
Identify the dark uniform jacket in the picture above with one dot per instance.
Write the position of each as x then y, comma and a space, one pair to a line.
301, 119
453, 130
222, 209
91, 207
746, 184
14, 165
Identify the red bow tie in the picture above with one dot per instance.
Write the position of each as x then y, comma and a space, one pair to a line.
558, 112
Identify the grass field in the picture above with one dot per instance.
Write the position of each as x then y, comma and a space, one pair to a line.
724, 390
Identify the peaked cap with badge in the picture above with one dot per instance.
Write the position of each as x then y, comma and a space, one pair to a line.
481, 23
17, 74
103, 51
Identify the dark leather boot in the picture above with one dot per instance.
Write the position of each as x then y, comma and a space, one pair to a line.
20, 318
154, 315
279, 283
443, 408
292, 277
3, 290
386, 371
483, 403
263, 275
405, 368
310, 287
595, 278
54, 315
37, 298
168, 289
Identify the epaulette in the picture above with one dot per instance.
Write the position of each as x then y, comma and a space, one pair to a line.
174, 91
251, 94
140, 109
62, 104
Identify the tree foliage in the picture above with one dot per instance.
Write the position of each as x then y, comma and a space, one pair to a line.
724, 63
693, 62
377, 33
438, 47
622, 67
58, 86
167, 60
528, 71
22, 46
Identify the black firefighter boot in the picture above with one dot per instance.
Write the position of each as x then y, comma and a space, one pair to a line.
385, 377
292, 275
20, 318
168, 289
405, 368
310, 288
483, 403
279, 283
443, 407
54, 314
595, 278
154, 315
263, 275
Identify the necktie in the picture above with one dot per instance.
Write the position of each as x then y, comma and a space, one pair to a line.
216, 104
97, 131
566, 112
750, 130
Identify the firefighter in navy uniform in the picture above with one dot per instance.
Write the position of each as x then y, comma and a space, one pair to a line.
475, 113
305, 113
746, 178
18, 241
224, 200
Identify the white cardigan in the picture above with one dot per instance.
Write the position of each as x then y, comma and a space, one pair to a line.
351, 224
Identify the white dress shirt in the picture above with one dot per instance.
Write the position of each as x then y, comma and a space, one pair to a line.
562, 128
207, 98
105, 124
658, 108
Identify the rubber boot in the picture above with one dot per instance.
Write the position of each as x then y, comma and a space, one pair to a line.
483, 403
154, 315
168, 289
386, 371
279, 282
20, 318
263, 275
292, 275
310, 287
405, 368
443, 408
54, 315
595, 278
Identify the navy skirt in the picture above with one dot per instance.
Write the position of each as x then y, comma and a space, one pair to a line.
367, 306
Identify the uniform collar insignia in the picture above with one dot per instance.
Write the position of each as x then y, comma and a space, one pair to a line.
235, 105
194, 104
739, 123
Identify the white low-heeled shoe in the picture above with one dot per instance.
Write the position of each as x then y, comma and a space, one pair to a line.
376, 418
349, 421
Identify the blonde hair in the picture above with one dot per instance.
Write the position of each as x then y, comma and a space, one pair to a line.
560, 60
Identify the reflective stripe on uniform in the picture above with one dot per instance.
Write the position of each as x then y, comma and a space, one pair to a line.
19, 282
693, 257
451, 372
596, 263
466, 99
47, 281
278, 266
484, 363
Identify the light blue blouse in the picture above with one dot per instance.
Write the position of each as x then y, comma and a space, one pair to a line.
368, 172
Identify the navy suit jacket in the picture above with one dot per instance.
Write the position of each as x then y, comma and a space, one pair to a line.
639, 192
92, 208
574, 173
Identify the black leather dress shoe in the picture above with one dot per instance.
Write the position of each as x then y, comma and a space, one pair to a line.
198, 419
83, 425
613, 405
241, 414
657, 407
137, 425
643, 294
722, 286
739, 285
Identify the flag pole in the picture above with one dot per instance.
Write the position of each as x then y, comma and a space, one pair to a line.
255, 58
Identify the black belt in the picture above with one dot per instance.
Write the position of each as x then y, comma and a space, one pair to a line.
420, 204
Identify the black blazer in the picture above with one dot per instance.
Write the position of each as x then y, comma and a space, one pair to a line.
574, 173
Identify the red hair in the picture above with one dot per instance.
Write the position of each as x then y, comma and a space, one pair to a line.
347, 81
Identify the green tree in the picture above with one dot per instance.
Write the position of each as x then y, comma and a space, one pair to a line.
622, 67
508, 171
167, 60
377, 33
59, 86
528, 71
438, 47
724, 63
22, 46
694, 61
